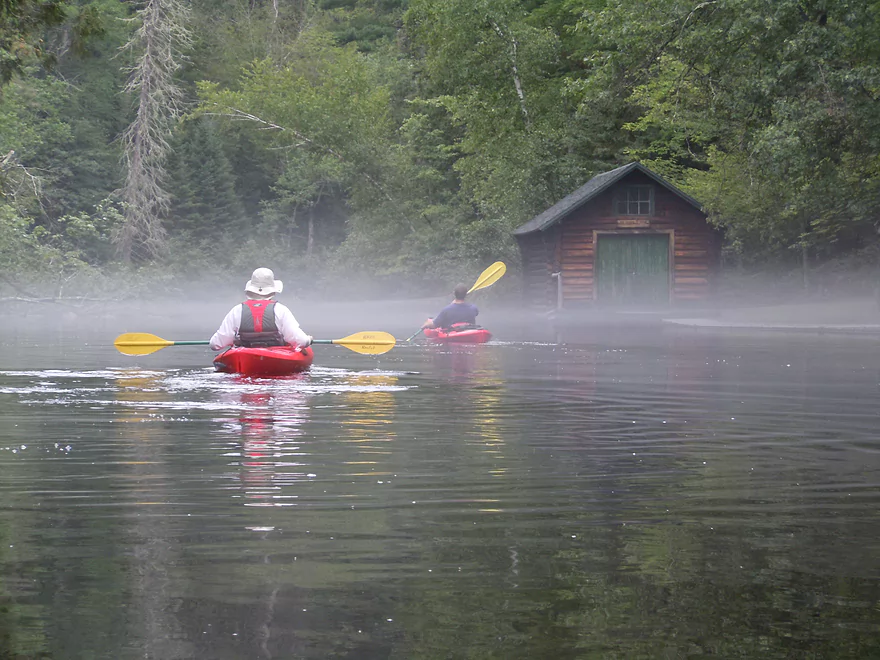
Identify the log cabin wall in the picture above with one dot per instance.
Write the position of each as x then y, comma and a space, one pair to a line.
539, 262
693, 243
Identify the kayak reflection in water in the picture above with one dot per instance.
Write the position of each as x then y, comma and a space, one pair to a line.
458, 311
260, 321
272, 457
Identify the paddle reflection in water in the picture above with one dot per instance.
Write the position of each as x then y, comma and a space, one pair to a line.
368, 426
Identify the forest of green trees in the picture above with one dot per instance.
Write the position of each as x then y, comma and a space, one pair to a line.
346, 141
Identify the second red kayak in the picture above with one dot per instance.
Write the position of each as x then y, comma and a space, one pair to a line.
460, 333
269, 361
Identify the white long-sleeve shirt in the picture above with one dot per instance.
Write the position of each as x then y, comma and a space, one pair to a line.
285, 321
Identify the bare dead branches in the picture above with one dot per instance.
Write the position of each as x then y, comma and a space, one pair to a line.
18, 179
240, 115
160, 41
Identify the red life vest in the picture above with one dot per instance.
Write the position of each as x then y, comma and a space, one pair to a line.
257, 327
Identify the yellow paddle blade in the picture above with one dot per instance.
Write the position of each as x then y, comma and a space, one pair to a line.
368, 343
140, 343
489, 276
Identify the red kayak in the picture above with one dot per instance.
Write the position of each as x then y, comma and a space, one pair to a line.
461, 333
269, 361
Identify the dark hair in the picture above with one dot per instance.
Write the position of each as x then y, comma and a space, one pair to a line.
460, 291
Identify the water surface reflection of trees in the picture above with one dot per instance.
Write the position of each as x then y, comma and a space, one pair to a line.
654, 524
681, 498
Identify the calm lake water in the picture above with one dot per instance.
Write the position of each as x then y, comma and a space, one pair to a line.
651, 493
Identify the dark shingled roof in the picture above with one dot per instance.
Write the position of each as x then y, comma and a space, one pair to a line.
588, 191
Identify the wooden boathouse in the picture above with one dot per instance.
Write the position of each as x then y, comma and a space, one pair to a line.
626, 237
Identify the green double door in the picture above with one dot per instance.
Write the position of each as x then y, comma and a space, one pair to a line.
632, 268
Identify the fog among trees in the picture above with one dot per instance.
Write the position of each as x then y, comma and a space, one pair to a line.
351, 141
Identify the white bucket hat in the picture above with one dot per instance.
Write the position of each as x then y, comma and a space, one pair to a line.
263, 283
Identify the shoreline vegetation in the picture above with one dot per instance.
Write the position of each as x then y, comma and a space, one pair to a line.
367, 147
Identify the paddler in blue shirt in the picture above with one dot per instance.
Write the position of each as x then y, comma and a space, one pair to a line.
458, 311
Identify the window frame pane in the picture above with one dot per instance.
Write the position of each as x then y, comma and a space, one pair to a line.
640, 200
635, 200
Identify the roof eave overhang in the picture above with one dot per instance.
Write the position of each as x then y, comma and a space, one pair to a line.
625, 170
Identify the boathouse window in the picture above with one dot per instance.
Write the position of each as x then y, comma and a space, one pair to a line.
635, 200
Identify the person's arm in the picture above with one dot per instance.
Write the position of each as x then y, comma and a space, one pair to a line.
289, 328
439, 320
225, 335
428, 324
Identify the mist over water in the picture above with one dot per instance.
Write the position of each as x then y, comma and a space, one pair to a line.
195, 308
183, 319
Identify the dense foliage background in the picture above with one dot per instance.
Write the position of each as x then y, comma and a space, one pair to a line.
351, 141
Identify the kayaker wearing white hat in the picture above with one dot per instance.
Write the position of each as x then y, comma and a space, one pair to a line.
259, 320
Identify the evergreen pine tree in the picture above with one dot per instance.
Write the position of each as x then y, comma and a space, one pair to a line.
204, 199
